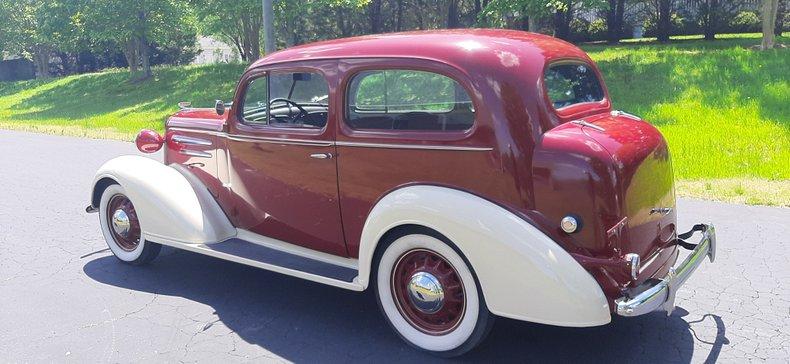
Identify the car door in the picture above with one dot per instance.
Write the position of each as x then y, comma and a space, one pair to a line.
281, 166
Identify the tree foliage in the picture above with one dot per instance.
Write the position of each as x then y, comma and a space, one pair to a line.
136, 25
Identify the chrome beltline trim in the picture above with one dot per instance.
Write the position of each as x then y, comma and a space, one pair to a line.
412, 146
195, 153
246, 138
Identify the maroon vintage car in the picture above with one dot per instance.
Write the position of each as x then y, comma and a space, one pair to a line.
463, 174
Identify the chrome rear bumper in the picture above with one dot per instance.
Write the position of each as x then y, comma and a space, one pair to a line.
656, 293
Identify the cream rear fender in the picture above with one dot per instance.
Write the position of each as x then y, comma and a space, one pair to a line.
173, 206
523, 274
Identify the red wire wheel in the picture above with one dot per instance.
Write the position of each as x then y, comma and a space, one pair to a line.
428, 292
123, 223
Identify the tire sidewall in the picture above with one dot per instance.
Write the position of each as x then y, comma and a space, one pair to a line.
467, 327
126, 256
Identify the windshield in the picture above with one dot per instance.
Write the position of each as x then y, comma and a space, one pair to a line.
572, 83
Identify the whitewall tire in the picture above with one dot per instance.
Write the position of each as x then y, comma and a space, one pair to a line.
121, 228
429, 294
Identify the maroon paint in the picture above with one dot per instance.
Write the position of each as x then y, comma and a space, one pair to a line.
148, 141
540, 167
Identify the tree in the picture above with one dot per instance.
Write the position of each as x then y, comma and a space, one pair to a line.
237, 22
34, 29
664, 20
770, 8
614, 21
710, 14
135, 25
525, 13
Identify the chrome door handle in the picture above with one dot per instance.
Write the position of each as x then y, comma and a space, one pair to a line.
321, 155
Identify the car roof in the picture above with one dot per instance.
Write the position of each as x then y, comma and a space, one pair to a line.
466, 49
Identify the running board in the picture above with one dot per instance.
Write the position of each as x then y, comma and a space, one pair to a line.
264, 257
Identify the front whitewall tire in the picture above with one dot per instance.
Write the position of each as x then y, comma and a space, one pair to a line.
467, 333
143, 253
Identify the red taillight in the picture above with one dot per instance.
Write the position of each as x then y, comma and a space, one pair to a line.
149, 141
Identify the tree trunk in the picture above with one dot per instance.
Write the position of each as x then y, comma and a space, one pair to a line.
374, 13
41, 57
562, 21
269, 43
614, 21
343, 22
664, 20
452, 14
130, 52
399, 16
711, 19
420, 20
770, 8
145, 56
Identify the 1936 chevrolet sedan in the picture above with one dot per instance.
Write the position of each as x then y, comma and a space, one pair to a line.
462, 175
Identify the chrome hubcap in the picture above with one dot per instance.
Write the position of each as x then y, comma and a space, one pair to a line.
425, 292
121, 223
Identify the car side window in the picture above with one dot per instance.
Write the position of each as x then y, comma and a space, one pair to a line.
287, 100
256, 100
408, 100
572, 83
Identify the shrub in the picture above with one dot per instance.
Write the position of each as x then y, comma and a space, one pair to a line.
745, 22
678, 25
597, 29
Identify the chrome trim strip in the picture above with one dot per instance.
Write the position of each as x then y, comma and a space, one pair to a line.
190, 140
623, 113
663, 292
247, 138
412, 146
194, 153
588, 124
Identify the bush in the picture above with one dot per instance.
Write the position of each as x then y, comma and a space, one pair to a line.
745, 22
579, 31
678, 25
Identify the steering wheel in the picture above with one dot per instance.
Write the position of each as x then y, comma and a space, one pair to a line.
302, 112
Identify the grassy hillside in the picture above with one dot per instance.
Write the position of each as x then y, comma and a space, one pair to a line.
107, 105
724, 107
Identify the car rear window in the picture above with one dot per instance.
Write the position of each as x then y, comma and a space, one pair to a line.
572, 83
408, 100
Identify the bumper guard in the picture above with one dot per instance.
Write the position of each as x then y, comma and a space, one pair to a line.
661, 292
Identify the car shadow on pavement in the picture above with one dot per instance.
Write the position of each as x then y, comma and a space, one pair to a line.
305, 321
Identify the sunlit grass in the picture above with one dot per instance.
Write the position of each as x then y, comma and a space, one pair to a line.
107, 104
723, 106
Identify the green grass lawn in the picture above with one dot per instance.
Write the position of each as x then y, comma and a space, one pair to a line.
723, 106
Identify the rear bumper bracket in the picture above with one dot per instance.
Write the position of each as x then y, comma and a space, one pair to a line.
658, 293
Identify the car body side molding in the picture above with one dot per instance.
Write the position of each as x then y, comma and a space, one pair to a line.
523, 274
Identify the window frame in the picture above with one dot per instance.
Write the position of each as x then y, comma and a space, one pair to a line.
385, 66
578, 108
254, 75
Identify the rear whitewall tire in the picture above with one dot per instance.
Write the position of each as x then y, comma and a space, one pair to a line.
143, 253
476, 320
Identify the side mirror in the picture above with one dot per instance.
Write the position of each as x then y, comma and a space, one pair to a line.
219, 106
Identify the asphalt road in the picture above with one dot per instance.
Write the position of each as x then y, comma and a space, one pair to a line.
63, 298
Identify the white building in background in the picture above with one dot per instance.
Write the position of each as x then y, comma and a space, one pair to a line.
213, 50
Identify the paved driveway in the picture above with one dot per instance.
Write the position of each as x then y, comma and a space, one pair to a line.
63, 298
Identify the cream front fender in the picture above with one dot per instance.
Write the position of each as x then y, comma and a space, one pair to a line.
523, 273
172, 205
